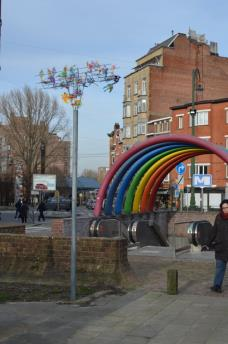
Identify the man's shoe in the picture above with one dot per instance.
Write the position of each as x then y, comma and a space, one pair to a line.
216, 289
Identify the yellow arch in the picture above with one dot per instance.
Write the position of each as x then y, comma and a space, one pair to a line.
150, 171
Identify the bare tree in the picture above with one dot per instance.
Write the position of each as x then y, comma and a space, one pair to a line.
89, 173
32, 117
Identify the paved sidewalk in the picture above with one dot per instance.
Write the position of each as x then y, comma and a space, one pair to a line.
137, 317
144, 315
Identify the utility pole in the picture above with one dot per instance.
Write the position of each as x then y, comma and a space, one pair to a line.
196, 86
42, 157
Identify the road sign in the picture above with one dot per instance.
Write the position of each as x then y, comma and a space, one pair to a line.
202, 180
180, 179
180, 168
176, 193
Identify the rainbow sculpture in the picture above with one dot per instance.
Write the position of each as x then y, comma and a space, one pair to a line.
131, 184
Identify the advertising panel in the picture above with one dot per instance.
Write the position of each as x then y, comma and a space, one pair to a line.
44, 182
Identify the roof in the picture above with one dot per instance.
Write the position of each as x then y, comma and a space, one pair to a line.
206, 101
165, 44
84, 183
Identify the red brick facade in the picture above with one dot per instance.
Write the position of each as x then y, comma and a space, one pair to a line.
215, 129
115, 144
163, 78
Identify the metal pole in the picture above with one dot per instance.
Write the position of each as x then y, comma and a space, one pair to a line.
201, 200
193, 113
74, 204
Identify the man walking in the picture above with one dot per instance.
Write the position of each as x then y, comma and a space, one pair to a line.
41, 208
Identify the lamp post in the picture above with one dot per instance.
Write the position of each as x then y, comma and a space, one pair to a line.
196, 86
73, 80
42, 157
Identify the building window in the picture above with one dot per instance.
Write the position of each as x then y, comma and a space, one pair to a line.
139, 106
135, 109
127, 111
226, 121
128, 132
144, 87
167, 178
144, 109
226, 171
206, 138
201, 118
180, 122
135, 87
160, 127
226, 142
135, 130
128, 92
199, 169
126, 147
141, 128
166, 126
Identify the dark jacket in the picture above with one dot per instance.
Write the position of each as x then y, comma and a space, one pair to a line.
219, 238
41, 207
24, 210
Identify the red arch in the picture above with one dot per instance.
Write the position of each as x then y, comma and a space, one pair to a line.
158, 139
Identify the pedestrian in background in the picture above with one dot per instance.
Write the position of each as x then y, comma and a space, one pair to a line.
41, 208
18, 205
219, 241
24, 211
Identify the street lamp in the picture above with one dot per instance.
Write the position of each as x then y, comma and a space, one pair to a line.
196, 86
73, 80
42, 157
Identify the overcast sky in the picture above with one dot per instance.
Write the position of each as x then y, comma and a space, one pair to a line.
37, 34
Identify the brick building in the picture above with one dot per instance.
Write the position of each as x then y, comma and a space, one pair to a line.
163, 78
211, 123
115, 143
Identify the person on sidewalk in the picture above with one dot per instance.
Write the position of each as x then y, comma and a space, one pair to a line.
41, 208
219, 241
24, 211
18, 205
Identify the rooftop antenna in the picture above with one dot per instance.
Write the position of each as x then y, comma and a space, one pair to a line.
172, 32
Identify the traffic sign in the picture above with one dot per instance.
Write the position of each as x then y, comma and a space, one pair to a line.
202, 180
180, 168
176, 193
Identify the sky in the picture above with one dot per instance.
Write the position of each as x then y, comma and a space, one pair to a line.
38, 34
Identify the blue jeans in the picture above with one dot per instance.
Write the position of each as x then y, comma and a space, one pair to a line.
219, 272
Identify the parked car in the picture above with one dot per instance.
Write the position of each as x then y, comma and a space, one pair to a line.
41, 186
58, 204
90, 204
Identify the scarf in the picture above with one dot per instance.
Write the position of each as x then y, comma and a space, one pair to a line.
224, 216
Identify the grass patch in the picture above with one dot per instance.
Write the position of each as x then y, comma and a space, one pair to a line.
10, 291
4, 297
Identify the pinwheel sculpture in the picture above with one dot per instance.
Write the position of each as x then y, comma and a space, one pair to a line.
73, 80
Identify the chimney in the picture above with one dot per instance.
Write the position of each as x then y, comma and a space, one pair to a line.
214, 48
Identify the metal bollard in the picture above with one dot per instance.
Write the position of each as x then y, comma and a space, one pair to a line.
172, 282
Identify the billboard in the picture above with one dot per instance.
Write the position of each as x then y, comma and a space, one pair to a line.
44, 182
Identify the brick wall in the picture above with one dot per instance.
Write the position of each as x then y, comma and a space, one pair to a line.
172, 84
183, 219
99, 260
12, 228
62, 227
